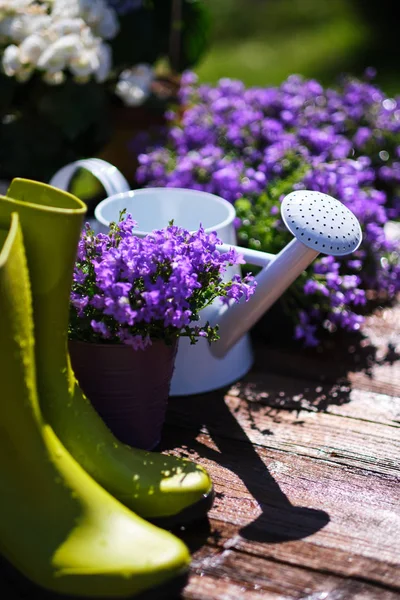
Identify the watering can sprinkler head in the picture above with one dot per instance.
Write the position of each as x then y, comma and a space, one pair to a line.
320, 224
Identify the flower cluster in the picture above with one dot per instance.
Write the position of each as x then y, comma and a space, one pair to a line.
133, 290
253, 146
55, 37
134, 85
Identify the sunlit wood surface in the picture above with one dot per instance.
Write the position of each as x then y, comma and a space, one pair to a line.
305, 456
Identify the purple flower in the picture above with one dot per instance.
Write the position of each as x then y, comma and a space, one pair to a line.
131, 290
79, 302
101, 328
252, 146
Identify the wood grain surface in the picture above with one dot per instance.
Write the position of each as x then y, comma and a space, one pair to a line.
304, 453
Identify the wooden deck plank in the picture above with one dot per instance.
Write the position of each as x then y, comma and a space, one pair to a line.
300, 510
325, 436
304, 453
370, 363
233, 575
289, 393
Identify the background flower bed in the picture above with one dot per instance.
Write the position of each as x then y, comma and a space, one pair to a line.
252, 146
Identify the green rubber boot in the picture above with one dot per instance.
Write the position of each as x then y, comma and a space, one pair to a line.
58, 527
163, 488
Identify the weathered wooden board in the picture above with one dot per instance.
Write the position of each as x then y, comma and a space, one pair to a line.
302, 511
289, 393
304, 453
231, 575
369, 363
329, 437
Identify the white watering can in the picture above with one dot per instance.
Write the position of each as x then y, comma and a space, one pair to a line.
318, 222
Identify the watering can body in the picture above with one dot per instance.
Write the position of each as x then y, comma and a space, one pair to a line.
197, 370
318, 222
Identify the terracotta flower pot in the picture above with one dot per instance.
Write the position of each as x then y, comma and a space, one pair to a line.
128, 388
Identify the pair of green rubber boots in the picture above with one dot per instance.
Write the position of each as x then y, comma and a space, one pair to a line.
69, 492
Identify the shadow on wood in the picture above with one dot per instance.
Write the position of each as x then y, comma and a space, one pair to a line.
279, 520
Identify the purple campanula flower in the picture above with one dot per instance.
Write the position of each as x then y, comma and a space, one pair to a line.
258, 144
131, 290
101, 328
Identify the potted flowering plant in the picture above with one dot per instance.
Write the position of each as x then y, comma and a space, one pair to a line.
132, 299
68, 67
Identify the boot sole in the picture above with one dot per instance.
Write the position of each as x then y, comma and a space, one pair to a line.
15, 586
191, 513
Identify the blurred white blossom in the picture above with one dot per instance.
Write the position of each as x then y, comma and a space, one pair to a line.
55, 37
11, 60
134, 85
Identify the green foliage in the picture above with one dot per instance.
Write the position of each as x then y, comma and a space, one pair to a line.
146, 34
195, 29
260, 224
262, 42
260, 217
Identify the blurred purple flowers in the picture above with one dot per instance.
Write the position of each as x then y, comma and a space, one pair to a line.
253, 146
132, 290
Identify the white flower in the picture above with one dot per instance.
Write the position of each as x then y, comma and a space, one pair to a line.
96, 13
35, 24
6, 24
12, 7
57, 36
108, 26
57, 54
105, 62
65, 8
11, 61
54, 78
17, 29
84, 63
134, 85
31, 48
67, 25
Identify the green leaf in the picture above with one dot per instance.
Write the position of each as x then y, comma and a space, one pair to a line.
196, 28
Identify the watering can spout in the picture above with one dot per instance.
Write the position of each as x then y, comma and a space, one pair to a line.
320, 224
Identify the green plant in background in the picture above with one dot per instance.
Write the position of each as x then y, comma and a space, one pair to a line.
263, 42
259, 224
261, 229
64, 64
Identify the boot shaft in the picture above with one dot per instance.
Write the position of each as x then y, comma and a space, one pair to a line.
25, 460
51, 221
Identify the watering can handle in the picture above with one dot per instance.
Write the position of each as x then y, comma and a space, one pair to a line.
111, 179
